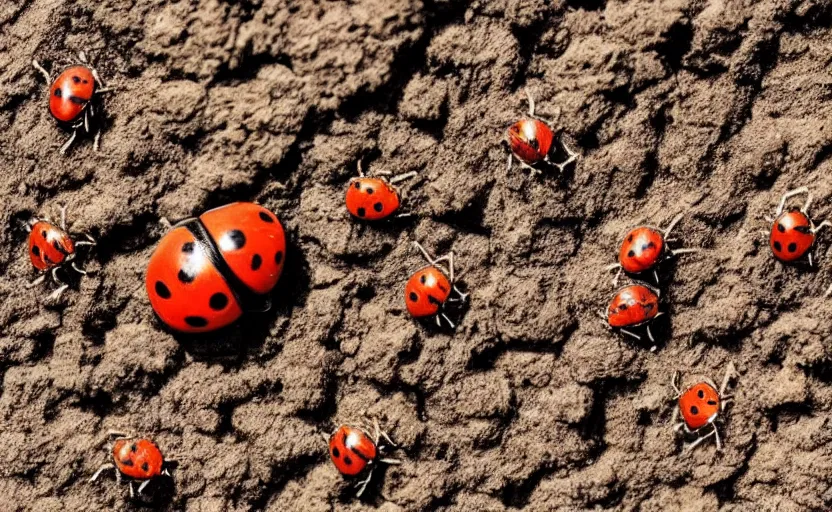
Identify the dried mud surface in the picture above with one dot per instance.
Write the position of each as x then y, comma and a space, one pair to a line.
713, 108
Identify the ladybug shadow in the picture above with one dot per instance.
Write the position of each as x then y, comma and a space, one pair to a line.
158, 494
249, 333
372, 494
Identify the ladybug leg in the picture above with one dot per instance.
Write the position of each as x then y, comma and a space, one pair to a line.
68, 142
402, 177
43, 72
445, 317
787, 196
718, 440
628, 333
63, 286
510, 158
79, 270
143, 485
363, 484
103, 468
531, 102
36, 282
672, 224
571, 157
674, 383
132, 491
690, 446
824, 224
383, 434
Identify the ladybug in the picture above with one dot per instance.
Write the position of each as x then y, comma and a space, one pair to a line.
700, 405
371, 198
531, 141
52, 248
207, 271
793, 232
354, 452
138, 459
633, 306
72, 96
430, 288
644, 248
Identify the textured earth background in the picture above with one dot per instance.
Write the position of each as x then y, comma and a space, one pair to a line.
714, 108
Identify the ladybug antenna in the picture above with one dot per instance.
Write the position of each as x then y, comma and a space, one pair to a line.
360, 168
43, 72
672, 224
787, 196
531, 101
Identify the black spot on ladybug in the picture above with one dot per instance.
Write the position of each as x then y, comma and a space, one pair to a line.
711, 402
694, 409
77, 100
188, 247
622, 307
792, 247
218, 301
186, 277
370, 190
256, 261
645, 247
631, 253
423, 279
237, 238
361, 212
358, 185
778, 247
127, 462
76, 79
43, 233
58, 92
145, 466
196, 321
58, 247
134, 448
265, 217
347, 460
700, 394
36, 250
648, 306
433, 300
335, 452
651, 245
806, 230
781, 228
162, 291
630, 238
413, 296
47, 259
378, 207
534, 143
442, 287
278, 258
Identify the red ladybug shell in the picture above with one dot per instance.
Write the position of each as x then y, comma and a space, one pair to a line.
530, 140
641, 250
70, 93
138, 458
371, 198
699, 405
791, 236
632, 305
351, 450
49, 245
185, 288
426, 291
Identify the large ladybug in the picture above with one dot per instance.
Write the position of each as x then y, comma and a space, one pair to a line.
700, 406
531, 141
208, 270
644, 248
137, 459
430, 288
793, 232
72, 96
633, 306
51, 249
374, 198
354, 452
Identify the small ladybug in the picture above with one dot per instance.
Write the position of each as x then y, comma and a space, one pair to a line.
531, 141
430, 288
207, 271
644, 248
793, 232
354, 452
371, 198
633, 306
138, 459
700, 405
72, 97
52, 248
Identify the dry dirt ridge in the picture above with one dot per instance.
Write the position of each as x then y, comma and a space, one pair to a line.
709, 107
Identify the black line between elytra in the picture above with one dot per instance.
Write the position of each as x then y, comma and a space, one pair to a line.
246, 298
